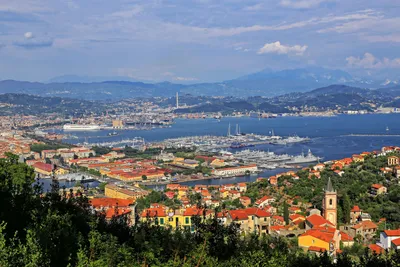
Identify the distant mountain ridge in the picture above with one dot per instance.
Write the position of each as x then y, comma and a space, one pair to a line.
264, 83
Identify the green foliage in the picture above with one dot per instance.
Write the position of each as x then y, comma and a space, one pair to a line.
38, 229
40, 147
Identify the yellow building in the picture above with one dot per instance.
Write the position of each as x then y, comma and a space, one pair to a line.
60, 171
217, 163
127, 192
117, 124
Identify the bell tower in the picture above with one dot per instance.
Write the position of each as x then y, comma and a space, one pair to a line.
329, 203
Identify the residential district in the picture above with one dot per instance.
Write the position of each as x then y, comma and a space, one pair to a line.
325, 207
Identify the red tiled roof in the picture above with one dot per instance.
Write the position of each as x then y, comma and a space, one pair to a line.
261, 200
116, 212
276, 227
257, 212
317, 220
296, 217
238, 215
345, 237
396, 242
365, 225
377, 186
154, 212
110, 202
376, 249
193, 212
43, 166
392, 232
356, 209
326, 236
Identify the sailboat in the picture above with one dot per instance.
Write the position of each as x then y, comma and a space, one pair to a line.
387, 128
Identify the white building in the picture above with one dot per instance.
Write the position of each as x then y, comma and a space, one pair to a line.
387, 237
235, 170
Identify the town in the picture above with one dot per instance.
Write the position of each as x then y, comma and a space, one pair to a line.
327, 207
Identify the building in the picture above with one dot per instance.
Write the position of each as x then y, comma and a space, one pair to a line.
328, 239
245, 201
366, 229
378, 189
117, 124
241, 170
393, 160
264, 201
43, 168
329, 204
127, 192
355, 214
317, 221
387, 236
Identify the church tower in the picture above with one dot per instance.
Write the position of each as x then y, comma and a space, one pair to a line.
329, 203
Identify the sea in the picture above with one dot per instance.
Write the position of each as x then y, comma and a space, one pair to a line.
331, 137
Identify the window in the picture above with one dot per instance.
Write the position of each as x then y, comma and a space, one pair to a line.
187, 220
265, 219
171, 219
161, 221
156, 221
330, 202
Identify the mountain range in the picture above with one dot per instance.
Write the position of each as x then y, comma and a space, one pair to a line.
266, 83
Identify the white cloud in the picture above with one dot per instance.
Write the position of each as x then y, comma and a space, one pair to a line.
369, 61
253, 7
130, 13
28, 35
280, 49
302, 4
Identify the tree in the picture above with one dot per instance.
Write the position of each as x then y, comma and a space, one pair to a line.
346, 206
144, 177
286, 212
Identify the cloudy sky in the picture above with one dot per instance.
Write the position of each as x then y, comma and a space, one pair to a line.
195, 40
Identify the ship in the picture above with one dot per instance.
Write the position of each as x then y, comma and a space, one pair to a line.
309, 158
81, 127
112, 134
240, 145
291, 140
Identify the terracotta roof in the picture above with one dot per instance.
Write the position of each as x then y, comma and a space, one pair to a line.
376, 249
238, 215
193, 212
296, 217
276, 227
116, 212
257, 212
376, 186
43, 166
322, 235
345, 237
110, 202
356, 209
365, 225
154, 212
396, 242
261, 200
317, 220
392, 232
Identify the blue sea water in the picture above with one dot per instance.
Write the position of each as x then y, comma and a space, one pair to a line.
329, 135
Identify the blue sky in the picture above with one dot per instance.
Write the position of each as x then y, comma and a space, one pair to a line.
196, 40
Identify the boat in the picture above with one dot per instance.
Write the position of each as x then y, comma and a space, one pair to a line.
81, 127
309, 158
387, 128
240, 145
112, 134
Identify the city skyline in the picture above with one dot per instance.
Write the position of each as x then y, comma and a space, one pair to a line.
196, 41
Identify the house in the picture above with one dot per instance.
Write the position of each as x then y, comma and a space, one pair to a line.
378, 189
328, 239
273, 180
114, 207
240, 170
233, 194
43, 168
60, 171
358, 158
355, 213
316, 220
245, 201
319, 167
239, 217
396, 243
264, 201
366, 229
242, 187
296, 219
393, 160
387, 236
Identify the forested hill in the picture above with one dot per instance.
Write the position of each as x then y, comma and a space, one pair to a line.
57, 229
